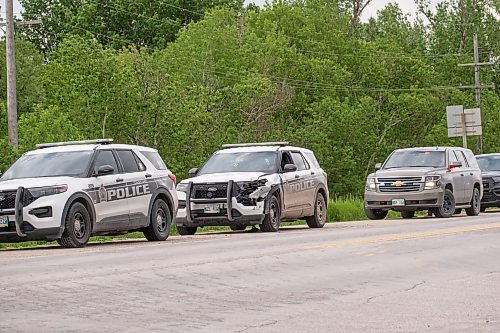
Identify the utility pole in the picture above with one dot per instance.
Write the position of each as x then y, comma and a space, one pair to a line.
11, 71
11, 75
477, 83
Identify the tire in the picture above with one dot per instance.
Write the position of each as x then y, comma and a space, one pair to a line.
238, 227
448, 207
186, 231
159, 222
77, 227
271, 222
376, 214
408, 214
458, 211
475, 203
318, 220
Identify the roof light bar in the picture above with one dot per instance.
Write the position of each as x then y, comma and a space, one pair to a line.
258, 144
70, 143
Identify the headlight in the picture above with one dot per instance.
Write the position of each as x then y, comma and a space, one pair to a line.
496, 179
432, 182
371, 184
37, 192
182, 187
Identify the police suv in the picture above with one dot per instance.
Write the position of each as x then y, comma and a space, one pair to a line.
254, 184
69, 191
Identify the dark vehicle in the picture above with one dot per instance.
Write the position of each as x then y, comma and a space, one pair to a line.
490, 168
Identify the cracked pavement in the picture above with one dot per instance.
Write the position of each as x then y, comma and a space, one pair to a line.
419, 275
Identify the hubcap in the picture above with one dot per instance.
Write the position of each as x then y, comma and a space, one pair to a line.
161, 220
273, 214
320, 211
447, 204
79, 225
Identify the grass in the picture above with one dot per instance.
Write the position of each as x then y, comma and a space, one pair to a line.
339, 210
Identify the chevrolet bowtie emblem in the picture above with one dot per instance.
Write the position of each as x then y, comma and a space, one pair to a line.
397, 184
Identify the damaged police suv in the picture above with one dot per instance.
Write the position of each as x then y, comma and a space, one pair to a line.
253, 184
69, 191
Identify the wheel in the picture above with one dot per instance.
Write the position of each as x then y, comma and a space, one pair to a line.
407, 214
77, 227
475, 203
448, 207
238, 227
458, 211
319, 218
271, 222
159, 222
186, 231
376, 214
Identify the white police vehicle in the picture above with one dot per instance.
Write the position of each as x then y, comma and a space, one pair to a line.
254, 184
69, 191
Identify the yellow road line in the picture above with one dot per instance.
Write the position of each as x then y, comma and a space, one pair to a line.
426, 234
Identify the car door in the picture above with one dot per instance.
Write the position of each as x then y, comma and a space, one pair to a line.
290, 181
458, 177
111, 214
306, 186
468, 176
136, 187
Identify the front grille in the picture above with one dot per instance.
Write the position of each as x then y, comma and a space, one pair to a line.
209, 191
8, 199
400, 184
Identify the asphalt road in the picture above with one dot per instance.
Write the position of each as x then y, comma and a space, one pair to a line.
419, 275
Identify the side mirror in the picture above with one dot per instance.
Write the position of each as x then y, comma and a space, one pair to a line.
193, 172
290, 168
455, 165
378, 166
105, 170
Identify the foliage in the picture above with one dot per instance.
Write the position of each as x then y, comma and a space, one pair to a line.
304, 71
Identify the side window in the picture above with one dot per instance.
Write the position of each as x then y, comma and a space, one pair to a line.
312, 158
285, 159
298, 160
105, 157
465, 161
453, 157
155, 159
460, 158
128, 160
141, 165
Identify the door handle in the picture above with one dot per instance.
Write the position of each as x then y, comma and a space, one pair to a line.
148, 175
313, 173
119, 180
471, 174
297, 176
462, 174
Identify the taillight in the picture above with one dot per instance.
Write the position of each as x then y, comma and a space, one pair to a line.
173, 178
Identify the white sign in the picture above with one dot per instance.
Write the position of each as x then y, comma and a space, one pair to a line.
460, 119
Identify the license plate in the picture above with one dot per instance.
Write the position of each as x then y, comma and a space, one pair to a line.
212, 209
398, 202
4, 221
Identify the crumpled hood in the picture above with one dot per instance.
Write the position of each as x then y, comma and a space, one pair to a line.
408, 172
224, 177
13, 184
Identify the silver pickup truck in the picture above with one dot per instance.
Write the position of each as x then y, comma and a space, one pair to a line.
442, 180
253, 184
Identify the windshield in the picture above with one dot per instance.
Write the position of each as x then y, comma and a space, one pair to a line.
241, 162
490, 163
49, 165
416, 159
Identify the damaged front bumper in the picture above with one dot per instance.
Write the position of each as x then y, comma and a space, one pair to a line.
244, 204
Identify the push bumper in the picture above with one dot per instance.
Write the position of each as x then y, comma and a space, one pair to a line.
20, 230
231, 212
413, 200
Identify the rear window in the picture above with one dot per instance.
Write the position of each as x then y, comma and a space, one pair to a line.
312, 159
155, 159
